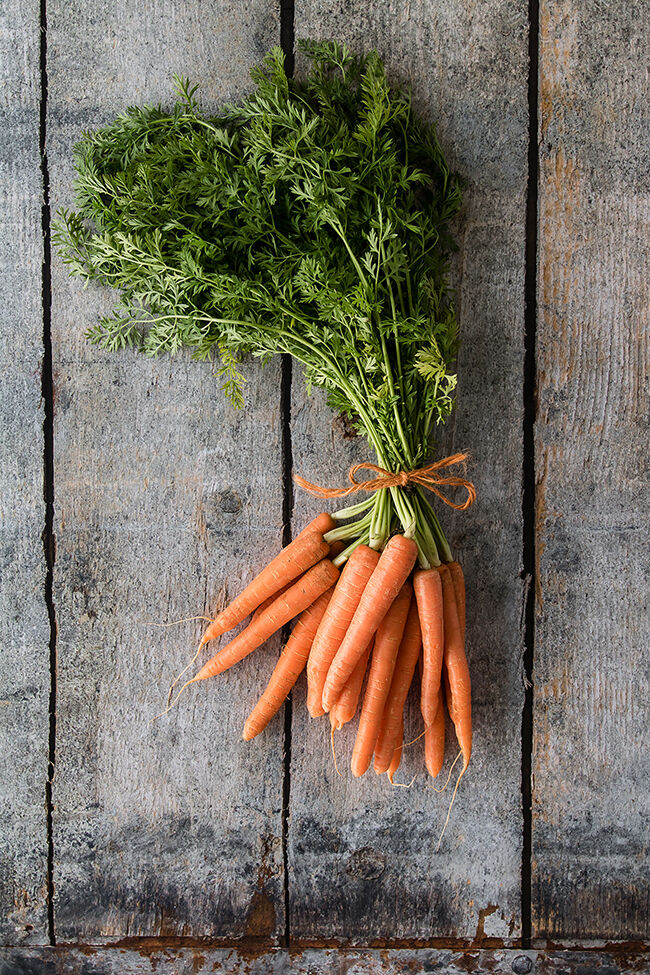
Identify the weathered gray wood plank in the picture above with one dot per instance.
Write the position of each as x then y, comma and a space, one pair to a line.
163, 495
200, 960
591, 752
24, 627
362, 855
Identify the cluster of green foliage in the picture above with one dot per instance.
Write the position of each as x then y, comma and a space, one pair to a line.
312, 219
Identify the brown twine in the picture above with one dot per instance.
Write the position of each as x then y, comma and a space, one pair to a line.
427, 477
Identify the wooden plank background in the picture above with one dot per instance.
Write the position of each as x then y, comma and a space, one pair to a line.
592, 677
360, 853
178, 829
172, 827
24, 624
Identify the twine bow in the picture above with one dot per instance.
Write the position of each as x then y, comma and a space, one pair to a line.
427, 477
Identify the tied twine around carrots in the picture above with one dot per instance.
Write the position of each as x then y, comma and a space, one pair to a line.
427, 477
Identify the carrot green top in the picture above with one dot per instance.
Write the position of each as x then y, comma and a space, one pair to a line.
313, 219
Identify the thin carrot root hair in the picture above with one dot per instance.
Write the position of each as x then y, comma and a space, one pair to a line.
406, 744
453, 799
442, 788
174, 702
186, 619
401, 785
176, 679
221, 599
334, 752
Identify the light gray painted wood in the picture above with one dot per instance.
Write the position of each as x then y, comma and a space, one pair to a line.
362, 855
200, 960
24, 627
591, 766
164, 494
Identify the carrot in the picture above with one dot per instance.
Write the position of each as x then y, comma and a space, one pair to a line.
458, 580
297, 598
322, 524
382, 665
267, 602
397, 752
346, 706
292, 561
459, 699
331, 632
393, 718
457, 684
288, 668
434, 739
392, 571
336, 548
428, 593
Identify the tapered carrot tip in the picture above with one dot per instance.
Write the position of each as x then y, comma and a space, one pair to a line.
359, 766
212, 632
248, 733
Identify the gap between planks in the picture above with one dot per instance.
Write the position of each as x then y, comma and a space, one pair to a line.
47, 392
287, 43
529, 564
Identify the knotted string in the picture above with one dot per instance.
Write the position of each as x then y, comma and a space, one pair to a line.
427, 477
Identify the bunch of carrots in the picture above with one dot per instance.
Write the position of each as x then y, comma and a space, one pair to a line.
313, 219
379, 616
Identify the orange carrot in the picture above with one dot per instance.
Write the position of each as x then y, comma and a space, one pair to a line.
335, 549
392, 571
267, 602
292, 561
384, 654
346, 706
292, 602
288, 668
458, 580
322, 524
428, 593
434, 739
459, 699
393, 718
340, 611
397, 753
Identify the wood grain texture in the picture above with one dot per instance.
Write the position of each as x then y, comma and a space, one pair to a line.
163, 495
362, 855
592, 685
204, 960
24, 627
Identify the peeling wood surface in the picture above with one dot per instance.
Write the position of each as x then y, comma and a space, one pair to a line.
162, 494
591, 765
363, 854
90, 960
24, 625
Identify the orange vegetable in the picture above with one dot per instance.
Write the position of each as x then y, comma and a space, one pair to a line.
392, 571
459, 697
434, 739
393, 718
384, 655
428, 593
288, 668
292, 561
346, 706
458, 580
334, 625
397, 753
292, 602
